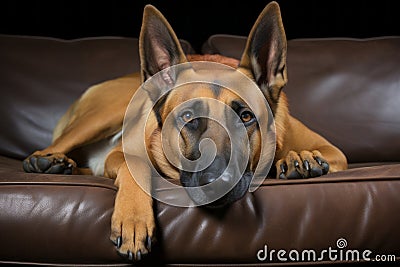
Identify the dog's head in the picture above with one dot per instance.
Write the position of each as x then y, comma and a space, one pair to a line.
203, 106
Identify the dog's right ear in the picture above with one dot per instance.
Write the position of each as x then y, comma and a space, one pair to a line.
159, 47
265, 53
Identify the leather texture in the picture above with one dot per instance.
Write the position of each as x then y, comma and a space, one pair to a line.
49, 219
347, 89
39, 72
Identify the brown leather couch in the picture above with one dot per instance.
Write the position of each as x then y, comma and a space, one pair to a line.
346, 89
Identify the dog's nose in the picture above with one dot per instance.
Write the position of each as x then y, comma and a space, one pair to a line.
210, 174
207, 178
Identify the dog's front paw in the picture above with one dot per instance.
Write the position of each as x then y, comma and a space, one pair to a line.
305, 164
56, 163
132, 231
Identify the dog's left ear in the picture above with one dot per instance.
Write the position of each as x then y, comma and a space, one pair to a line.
159, 47
265, 52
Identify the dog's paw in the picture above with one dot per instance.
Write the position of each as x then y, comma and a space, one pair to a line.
56, 163
305, 164
132, 233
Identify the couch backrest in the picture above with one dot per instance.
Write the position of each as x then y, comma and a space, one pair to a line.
346, 89
41, 77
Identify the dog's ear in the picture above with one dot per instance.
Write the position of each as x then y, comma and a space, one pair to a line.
159, 47
265, 53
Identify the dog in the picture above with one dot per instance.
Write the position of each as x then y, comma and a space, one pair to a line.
93, 124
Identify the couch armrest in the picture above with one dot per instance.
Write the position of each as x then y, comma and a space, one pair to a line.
54, 218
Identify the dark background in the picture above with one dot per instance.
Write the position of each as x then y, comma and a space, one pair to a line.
196, 20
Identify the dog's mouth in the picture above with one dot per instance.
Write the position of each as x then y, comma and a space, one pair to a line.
213, 190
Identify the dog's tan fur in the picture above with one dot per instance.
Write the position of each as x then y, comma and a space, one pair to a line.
98, 115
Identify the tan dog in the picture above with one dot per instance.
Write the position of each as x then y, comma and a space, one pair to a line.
91, 128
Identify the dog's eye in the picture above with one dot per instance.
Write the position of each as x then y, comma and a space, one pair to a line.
187, 116
247, 116
189, 120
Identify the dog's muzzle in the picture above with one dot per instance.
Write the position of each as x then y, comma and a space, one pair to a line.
215, 185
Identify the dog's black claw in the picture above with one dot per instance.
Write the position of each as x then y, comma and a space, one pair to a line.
148, 245
306, 165
323, 164
43, 164
296, 164
318, 160
138, 255
325, 167
283, 168
282, 176
119, 242
130, 255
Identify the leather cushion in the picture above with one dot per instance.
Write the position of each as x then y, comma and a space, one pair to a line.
66, 219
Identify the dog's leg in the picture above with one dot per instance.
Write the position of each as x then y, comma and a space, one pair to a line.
307, 154
98, 114
313, 163
54, 163
53, 159
77, 134
132, 223
302, 165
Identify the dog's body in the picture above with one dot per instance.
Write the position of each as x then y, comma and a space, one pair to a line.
92, 127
